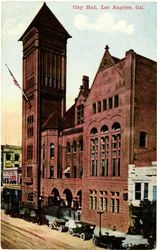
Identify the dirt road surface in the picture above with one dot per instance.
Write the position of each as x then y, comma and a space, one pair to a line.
20, 234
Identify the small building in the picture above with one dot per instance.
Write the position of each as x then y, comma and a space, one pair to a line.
11, 176
11, 164
142, 183
142, 197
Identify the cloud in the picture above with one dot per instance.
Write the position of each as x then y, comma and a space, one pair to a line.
104, 23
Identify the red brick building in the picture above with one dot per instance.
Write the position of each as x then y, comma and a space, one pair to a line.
80, 156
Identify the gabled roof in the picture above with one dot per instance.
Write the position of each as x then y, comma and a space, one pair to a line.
46, 18
69, 118
54, 121
107, 60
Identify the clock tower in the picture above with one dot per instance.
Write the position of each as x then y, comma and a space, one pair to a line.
44, 82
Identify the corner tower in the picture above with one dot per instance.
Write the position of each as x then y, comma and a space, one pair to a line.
44, 82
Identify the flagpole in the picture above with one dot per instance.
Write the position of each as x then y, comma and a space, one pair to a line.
18, 85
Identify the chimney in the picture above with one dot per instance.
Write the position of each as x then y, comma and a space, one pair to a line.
85, 82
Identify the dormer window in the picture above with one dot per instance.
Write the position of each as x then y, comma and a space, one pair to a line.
80, 114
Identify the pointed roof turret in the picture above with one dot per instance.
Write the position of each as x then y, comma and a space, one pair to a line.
45, 18
107, 60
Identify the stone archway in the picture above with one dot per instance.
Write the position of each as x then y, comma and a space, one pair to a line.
68, 197
54, 198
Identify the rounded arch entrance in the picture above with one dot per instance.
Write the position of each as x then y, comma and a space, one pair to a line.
68, 197
54, 198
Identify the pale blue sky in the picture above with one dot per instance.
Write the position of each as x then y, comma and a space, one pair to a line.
90, 29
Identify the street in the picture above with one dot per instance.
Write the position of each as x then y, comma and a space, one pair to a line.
19, 234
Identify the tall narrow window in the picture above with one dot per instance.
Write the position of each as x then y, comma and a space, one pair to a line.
74, 146
116, 101
51, 171
112, 205
94, 167
80, 171
110, 103
116, 149
94, 151
52, 147
103, 200
99, 106
104, 150
104, 104
68, 147
74, 172
81, 145
115, 204
8, 157
137, 191
145, 191
43, 151
29, 152
30, 121
143, 139
17, 157
93, 199
29, 171
94, 108
80, 114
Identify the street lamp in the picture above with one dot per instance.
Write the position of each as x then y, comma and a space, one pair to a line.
39, 209
39, 203
100, 212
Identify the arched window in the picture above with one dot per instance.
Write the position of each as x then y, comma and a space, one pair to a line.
104, 129
69, 197
104, 150
116, 126
116, 149
74, 146
94, 151
52, 147
143, 139
81, 145
94, 131
68, 147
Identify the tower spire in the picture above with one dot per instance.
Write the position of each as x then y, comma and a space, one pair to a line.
107, 48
